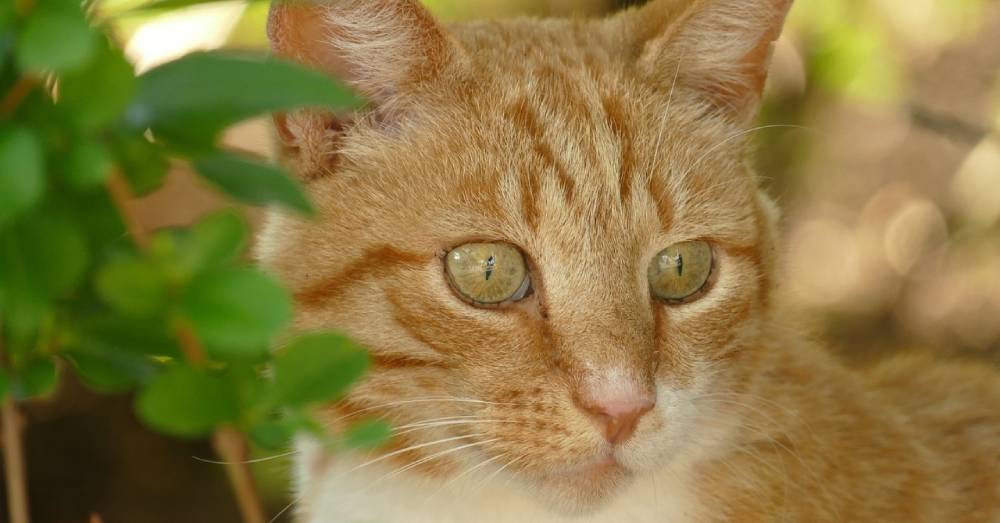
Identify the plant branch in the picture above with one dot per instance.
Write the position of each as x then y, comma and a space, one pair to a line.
228, 442
23, 6
232, 448
190, 346
13, 459
121, 195
13, 98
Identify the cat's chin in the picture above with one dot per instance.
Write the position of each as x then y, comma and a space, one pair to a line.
581, 490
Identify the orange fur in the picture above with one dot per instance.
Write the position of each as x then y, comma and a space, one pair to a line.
591, 145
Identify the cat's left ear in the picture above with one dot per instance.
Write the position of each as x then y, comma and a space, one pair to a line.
717, 50
385, 49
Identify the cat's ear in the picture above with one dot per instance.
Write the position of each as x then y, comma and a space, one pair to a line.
385, 49
718, 50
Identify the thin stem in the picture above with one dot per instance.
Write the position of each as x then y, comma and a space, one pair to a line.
13, 458
23, 6
232, 448
13, 98
121, 195
190, 346
228, 442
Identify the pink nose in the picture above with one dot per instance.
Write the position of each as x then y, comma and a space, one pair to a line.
619, 417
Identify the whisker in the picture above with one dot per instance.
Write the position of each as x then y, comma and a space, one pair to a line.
454, 422
246, 462
473, 469
734, 136
436, 455
291, 504
435, 420
422, 400
807, 468
460, 476
411, 447
497, 472
666, 114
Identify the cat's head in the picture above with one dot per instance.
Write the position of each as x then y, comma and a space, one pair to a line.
547, 232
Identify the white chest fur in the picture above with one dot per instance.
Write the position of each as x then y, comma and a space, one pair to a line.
374, 495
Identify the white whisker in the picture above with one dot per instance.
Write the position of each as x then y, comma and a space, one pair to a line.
489, 478
732, 137
246, 462
411, 447
436, 455
453, 422
421, 400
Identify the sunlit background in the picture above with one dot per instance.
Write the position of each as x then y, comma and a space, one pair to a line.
884, 156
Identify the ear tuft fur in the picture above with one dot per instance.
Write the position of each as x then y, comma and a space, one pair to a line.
718, 49
385, 49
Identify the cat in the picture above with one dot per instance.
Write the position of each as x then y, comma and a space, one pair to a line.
549, 236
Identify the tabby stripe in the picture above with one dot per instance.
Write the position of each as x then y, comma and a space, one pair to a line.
658, 192
615, 115
524, 116
406, 361
375, 261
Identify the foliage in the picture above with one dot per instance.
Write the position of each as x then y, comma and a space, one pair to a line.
178, 315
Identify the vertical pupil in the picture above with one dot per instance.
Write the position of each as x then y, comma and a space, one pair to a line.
491, 262
680, 264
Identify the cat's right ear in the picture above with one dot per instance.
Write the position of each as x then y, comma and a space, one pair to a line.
716, 51
385, 49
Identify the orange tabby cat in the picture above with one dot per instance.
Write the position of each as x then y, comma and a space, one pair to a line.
548, 234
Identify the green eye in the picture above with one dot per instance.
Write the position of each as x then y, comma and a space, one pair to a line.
681, 270
488, 273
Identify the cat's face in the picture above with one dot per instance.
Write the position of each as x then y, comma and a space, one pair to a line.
577, 152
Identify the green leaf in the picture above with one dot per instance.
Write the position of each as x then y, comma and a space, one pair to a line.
144, 163
38, 378
154, 6
109, 370
216, 239
105, 333
236, 312
98, 95
195, 97
185, 402
273, 435
253, 182
367, 434
317, 368
249, 388
22, 172
53, 40
43, 257
133, 287
88, 164
6, 15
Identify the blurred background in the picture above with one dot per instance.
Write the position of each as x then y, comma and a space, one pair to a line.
889, 183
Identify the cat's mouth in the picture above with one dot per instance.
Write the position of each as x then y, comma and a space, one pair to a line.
590, 469
582, 487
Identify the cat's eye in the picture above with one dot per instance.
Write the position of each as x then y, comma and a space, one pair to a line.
488, 273
680, 271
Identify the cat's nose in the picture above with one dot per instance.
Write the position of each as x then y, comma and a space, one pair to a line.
618, 416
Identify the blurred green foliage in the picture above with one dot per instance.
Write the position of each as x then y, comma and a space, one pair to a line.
176, 314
